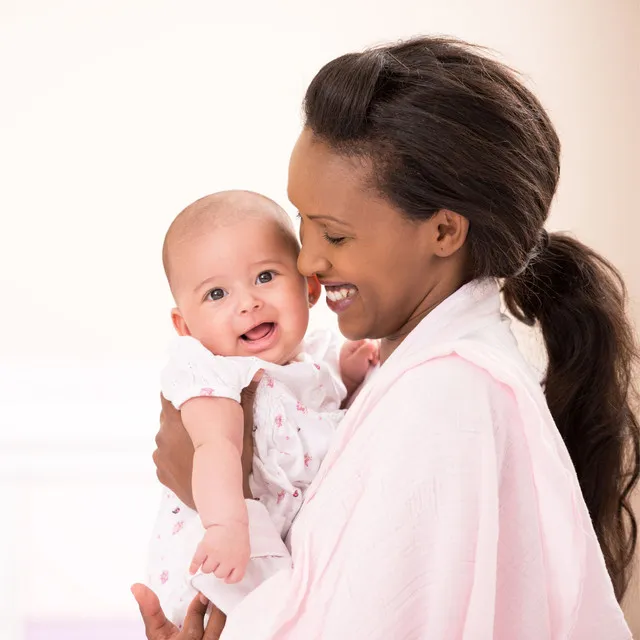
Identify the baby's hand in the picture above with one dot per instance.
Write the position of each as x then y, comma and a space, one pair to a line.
355, 360
224, 550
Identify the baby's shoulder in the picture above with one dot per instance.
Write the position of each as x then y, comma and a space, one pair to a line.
181, 346
320, 344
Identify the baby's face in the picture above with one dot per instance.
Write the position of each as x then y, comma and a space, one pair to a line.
239, 291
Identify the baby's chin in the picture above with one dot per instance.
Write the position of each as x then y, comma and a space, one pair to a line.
279, 354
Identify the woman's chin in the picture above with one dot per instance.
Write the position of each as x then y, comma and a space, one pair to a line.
352, 329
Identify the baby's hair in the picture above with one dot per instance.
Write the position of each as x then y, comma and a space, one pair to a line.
222, 209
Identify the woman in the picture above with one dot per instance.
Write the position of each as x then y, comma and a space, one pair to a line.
451, 505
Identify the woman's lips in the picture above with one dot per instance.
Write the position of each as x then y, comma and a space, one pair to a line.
340, 296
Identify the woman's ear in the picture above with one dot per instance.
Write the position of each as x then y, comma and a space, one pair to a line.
451, 231
179, 323
314, 290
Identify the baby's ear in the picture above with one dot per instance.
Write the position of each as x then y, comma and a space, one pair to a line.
314, 290
178, 322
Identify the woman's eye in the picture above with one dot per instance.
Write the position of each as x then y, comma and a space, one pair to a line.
216, 294
264, 277
334, 239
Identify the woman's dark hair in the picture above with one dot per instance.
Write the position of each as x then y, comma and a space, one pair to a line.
444, 126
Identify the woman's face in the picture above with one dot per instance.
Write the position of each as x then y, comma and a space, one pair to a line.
382, 272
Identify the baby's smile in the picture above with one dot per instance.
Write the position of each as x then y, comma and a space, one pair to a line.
260, 337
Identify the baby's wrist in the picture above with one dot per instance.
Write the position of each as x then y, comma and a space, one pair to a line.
231, 523
351, 383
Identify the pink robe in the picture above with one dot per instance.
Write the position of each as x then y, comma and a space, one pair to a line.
447, 507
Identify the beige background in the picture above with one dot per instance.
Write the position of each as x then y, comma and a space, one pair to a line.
114, 115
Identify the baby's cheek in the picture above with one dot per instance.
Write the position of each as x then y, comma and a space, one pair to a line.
299, 320
219, 340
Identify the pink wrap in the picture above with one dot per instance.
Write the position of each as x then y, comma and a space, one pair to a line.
446, 509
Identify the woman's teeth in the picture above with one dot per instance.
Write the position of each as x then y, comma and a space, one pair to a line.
336, 295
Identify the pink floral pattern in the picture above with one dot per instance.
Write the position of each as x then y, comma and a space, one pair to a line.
177, 527
290, 427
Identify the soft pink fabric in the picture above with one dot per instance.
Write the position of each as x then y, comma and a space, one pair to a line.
447, 508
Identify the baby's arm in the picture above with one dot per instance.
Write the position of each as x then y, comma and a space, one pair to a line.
215, 426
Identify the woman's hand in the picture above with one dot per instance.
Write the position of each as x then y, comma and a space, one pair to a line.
173, 456
157, 627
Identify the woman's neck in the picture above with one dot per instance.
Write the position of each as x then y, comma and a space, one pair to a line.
429, 302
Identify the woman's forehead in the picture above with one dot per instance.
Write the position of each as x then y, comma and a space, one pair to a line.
324, 182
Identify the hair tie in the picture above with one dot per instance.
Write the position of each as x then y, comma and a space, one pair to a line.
543, 245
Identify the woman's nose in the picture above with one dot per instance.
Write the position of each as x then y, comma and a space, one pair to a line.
311, 262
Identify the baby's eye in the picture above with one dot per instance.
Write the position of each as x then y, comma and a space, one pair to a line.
216, 294
264, 277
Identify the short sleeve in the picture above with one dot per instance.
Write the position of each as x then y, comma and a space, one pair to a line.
193, 371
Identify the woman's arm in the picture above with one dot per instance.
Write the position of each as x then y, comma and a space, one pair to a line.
397, 555
399, 541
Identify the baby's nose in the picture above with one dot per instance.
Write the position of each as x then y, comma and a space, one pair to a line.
250, 304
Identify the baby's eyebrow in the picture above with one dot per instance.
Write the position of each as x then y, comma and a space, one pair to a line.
261, 263
258, 264
207, 281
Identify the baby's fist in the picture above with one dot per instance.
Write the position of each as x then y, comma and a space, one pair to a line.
355, 360
224, 551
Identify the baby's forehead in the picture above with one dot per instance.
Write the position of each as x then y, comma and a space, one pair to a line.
238, 226
229, 217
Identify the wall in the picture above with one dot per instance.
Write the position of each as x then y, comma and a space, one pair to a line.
114, 116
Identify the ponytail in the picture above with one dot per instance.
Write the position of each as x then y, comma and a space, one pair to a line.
578, 300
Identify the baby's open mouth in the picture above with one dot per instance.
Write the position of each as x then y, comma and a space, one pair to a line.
258, 332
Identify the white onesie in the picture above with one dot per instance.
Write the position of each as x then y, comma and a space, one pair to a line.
296, 412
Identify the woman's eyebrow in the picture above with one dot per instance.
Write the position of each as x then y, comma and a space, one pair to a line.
329, 218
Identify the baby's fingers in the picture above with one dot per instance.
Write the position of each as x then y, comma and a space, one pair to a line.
350, 347
368, 350
223, 571
374, 351
199, 557
235, 576
210, 565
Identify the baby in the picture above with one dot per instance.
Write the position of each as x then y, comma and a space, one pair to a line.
242, 313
